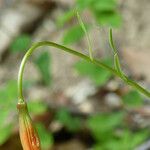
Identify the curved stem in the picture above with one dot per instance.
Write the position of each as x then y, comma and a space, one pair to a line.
71, 51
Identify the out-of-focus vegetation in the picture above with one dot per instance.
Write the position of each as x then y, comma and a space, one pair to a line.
98, 75
108, 130
104, 11
7, 106
8, 97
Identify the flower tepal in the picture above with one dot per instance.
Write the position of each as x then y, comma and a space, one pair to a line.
28, 134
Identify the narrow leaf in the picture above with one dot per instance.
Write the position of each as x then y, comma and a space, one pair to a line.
86, 34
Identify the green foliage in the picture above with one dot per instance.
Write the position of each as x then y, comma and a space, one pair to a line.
112, 19
105, 12
136, 138
64, 18
8, 100
82, 4
6, 127
98, 75
74, 34
43, 64
103, 125
21, 43
8, 96
70, 122
132, 99
86, 34
111, 134
37, 107
5, 133
45, 136
105, 5
127, 141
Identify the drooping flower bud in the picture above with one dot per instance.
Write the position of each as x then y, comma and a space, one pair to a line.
28, 134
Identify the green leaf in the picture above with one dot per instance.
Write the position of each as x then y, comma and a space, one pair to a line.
86, 34
36, 107
115, 144
46, 137
98, 146
71, 123
21, 43
67, 16
8, 99
105, 11
4, 115
5, 133
109, 18
43, 64
132, 99
95, 73
74, 34
139, 137
104, 5
123, 142
112, 144
102, 126
136, 137
82, 4
8, 94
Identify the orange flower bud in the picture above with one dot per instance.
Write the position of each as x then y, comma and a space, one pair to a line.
28, 134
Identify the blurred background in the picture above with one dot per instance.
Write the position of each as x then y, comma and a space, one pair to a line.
74, 104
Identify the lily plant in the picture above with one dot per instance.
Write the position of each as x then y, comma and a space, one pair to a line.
28, 134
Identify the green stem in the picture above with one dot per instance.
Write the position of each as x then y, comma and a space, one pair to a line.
111, 41
74, 52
